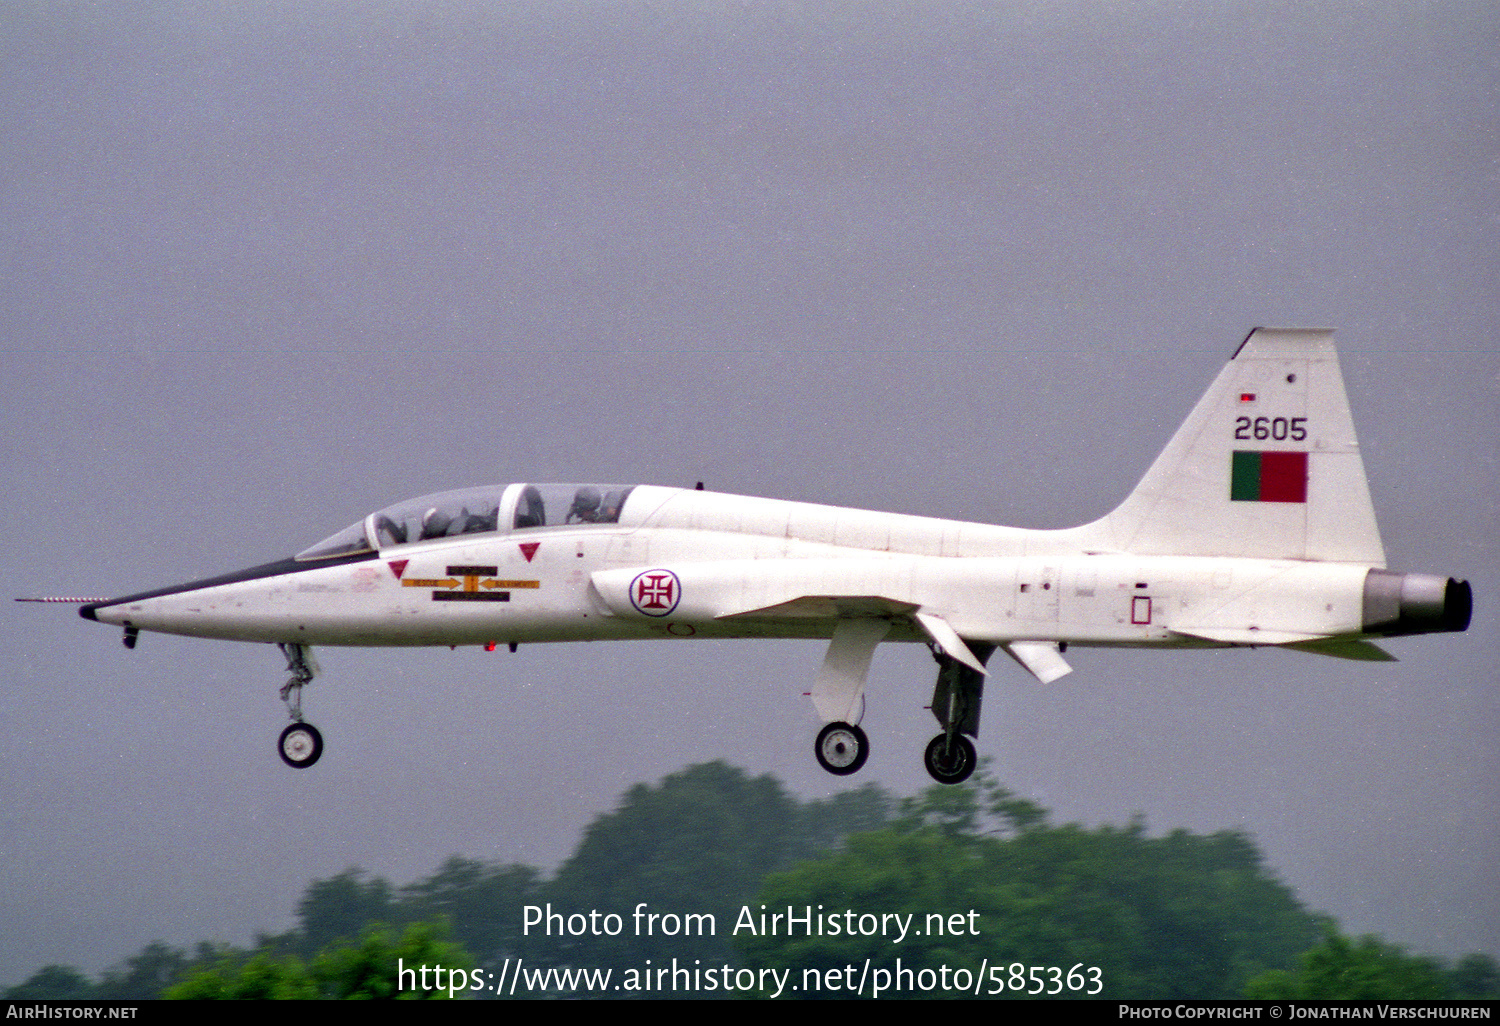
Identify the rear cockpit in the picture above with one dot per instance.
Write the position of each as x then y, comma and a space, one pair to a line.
486, 510
564, 505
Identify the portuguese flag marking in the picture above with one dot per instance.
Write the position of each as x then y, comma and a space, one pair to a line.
1268, 477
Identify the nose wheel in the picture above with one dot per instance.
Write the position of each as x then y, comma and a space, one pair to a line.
300, 745
842, 748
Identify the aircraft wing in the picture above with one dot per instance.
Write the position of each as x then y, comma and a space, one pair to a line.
797, 590
826, 607
755, 589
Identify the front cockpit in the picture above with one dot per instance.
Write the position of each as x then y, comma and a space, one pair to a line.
486, 510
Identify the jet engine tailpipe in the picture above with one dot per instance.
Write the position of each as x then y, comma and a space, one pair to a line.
1415, 603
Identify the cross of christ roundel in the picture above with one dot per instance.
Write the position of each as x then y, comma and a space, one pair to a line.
655, 592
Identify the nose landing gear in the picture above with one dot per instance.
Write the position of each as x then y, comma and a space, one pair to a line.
300, 744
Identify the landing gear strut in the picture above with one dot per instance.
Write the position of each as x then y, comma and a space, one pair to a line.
950, 757
839, 692
300, 744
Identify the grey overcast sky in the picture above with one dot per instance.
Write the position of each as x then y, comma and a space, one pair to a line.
270, 266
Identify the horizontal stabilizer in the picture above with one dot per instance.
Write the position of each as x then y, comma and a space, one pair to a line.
1317, 644
1248, 636
1346, 648
1042, 659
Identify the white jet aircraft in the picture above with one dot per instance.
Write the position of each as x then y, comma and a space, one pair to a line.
1253, 527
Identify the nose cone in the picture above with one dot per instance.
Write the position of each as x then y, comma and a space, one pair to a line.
165, 609
246, 605
109, 611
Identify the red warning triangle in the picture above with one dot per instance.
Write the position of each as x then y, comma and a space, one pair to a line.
398, 567
528, 549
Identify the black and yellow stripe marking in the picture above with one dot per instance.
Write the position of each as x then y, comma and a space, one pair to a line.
469, 584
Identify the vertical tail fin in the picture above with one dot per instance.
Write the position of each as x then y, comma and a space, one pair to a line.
1265, 466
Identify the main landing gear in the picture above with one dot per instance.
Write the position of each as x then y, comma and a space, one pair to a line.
950, 758
300, 744
842, 748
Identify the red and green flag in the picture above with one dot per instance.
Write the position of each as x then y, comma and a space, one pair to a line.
1268, 477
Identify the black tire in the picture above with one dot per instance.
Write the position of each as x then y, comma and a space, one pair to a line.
952, 766
300, 745
841, 748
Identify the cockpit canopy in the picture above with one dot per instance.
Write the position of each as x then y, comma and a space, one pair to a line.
487, 510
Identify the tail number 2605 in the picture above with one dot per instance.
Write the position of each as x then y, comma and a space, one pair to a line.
1277, 429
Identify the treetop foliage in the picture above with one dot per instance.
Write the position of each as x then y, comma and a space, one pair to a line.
1182, 915
1340, 969
365, 970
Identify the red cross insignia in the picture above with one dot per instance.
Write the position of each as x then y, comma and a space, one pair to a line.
655, 592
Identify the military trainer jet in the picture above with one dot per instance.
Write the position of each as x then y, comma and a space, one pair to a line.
1253, 527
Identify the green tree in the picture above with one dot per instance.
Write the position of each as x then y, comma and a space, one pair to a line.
260, 977
824, 823
699, 843
1475, 976
367, 969
1366, 969
54, 983
908, 873
1177, 916
340, 909
480, 901
144, 975
371, 969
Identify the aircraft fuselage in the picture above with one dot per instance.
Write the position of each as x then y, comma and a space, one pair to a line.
586, 583
1254, 526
